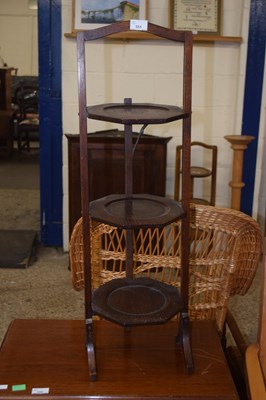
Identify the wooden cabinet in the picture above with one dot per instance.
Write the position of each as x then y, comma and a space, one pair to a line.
6, 139
106, 166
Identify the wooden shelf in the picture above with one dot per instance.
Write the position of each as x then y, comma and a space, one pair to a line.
145, 36
212, 39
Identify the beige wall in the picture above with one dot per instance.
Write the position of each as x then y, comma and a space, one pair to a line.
18, 36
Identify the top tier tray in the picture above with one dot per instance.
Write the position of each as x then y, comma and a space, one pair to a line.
135, 113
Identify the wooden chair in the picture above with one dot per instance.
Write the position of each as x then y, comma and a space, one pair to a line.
256, 352
225, 247
26, 122
198, 171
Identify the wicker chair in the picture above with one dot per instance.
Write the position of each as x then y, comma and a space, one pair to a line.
225, 247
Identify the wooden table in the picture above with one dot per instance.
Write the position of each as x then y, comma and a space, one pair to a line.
142, 363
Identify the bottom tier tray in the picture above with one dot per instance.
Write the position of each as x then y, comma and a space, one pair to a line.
138, 301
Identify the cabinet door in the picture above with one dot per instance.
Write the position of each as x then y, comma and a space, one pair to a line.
5, 89
6, 137
106, 161
6, 133
107, 166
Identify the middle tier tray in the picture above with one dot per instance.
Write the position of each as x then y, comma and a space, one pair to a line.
136, 210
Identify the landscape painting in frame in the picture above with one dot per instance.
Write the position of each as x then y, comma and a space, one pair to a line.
90, 14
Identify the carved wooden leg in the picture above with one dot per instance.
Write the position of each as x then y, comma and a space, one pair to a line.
239, 145
91, 352
183, 339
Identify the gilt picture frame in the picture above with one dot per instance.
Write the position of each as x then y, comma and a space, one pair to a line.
91, 14
198, 16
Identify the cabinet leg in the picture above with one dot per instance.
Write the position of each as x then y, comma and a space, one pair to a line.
91, 352
183, 339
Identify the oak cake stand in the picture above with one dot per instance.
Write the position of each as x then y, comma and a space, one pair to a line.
132, 301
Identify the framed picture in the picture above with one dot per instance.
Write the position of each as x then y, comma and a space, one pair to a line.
90, 14
198, 16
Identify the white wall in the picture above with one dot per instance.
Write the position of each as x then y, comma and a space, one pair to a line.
149, 71
18, 36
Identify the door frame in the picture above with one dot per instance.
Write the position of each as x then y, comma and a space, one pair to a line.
50, 106
253, 97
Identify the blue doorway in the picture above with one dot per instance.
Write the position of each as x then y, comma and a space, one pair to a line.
50, 104
253, 97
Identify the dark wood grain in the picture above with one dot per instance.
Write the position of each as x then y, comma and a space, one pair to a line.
186, 38
136, 211
6, 113
106, 163
142, 363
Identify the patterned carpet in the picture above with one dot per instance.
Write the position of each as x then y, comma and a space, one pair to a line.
20, 209
245, 309
44, 290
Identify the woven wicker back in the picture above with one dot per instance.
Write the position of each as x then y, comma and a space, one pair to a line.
225, 247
